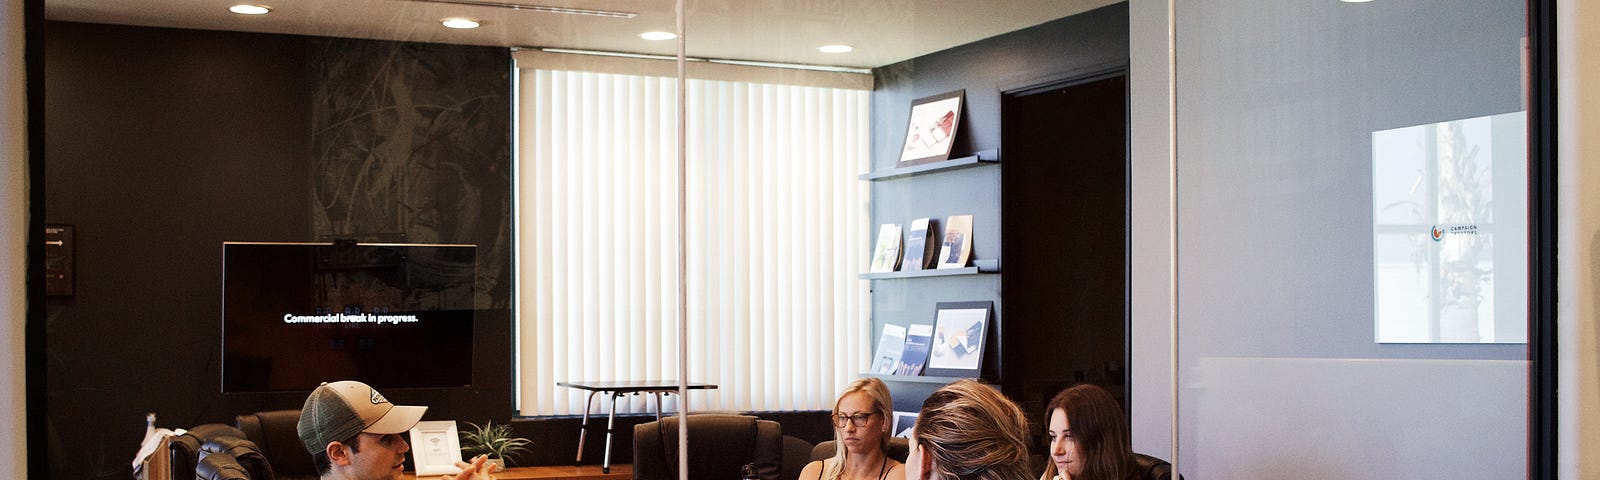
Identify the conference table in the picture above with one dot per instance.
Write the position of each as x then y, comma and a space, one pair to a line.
613, 389
623, 472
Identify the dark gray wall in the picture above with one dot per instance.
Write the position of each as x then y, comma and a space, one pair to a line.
161, 144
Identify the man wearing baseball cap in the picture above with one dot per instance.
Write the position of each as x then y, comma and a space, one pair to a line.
354, 433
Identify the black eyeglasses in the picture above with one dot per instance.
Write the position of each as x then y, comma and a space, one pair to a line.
859, 419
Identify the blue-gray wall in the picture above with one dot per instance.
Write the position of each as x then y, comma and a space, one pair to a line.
1278, 371
1063, 49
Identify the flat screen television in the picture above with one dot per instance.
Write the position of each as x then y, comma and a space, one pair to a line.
295, 315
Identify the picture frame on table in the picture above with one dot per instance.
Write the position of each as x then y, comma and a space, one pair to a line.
960, 330
436, 447
931, 132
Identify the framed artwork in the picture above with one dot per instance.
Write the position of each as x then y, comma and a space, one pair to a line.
932, 130
436, 447
959, 332
58, 247
903, 421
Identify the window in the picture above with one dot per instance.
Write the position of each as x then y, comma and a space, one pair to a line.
776, 231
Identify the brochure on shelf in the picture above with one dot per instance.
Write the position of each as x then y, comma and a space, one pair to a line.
919, 337
922, 245
890, 345
886, 256
957, 245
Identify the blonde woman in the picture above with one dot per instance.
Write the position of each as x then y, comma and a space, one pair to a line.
969, 431
861, 418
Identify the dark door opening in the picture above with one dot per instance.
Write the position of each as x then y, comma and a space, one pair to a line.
1064, 196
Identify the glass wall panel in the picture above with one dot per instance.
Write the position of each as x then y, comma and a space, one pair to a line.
1350, 183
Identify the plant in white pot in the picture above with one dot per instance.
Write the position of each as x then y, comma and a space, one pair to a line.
496, 441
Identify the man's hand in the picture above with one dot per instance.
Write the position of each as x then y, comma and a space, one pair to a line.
479, 469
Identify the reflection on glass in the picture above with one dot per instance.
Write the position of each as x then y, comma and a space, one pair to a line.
1434, 254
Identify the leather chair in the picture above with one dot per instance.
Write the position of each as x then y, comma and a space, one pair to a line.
276, 433
899, 447
796, 454
188, 452
220, 466
215, 430
720, 445
183, 455
244, 453
185, 451
1152, 468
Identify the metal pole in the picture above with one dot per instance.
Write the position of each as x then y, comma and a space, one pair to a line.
683, 252
1172, 214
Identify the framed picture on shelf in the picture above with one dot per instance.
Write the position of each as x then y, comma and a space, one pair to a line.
932, 129
903, 421
959, 332
436, 447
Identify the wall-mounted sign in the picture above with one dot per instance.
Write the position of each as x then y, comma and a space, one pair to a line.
1449, 223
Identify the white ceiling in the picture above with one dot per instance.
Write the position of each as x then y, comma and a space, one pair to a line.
788, 31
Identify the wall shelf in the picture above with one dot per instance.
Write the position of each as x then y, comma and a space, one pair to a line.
937, 272
915, 378
986, 157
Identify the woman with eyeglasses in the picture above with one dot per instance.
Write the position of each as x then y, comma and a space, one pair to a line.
861, 418
969, 431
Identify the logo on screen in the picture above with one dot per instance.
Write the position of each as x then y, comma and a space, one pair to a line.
1438, 233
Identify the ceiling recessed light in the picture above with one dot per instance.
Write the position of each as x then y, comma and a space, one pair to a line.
658, 35
250, 9
836, 49
458, 22
522, 5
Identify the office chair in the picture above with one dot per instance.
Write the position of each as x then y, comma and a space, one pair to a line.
719, 445
220, 466
1152, 468
276, 432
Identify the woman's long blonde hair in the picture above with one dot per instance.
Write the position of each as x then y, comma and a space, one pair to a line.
972, 432
882, 405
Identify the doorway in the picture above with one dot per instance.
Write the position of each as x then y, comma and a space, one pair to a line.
1064, 198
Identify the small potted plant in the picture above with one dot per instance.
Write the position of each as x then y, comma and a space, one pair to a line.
493, 440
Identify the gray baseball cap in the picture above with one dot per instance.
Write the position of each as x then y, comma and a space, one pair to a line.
337, 411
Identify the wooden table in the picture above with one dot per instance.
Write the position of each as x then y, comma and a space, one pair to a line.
622, 387
622, 472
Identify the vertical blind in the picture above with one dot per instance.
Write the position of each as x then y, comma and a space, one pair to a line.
776, 233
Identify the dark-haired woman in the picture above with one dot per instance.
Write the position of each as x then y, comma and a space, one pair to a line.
1088, 437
